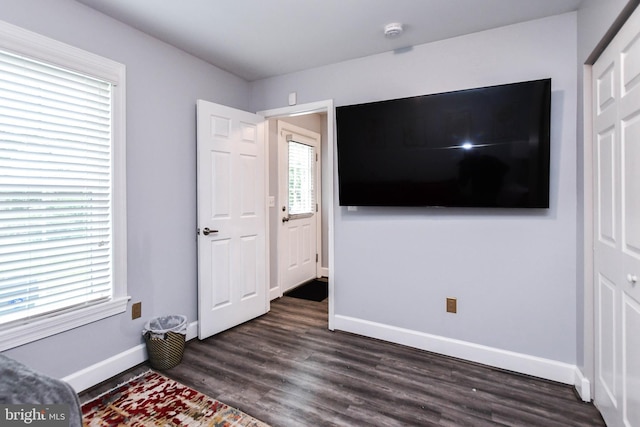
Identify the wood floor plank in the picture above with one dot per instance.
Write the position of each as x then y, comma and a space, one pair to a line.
287, 369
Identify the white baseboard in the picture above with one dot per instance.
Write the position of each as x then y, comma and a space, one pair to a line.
192, 330
274, 293
324, 271
517, 362
583, 386
102, 371
543, 368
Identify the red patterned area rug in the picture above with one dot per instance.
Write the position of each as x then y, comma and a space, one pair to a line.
152, 399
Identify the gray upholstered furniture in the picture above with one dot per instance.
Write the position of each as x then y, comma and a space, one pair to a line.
20, 384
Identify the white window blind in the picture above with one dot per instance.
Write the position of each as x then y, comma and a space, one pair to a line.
55, 190
301, 179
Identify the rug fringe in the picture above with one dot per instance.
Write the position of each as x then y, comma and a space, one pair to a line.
101, 395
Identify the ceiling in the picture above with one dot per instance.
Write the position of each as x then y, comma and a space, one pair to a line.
257, 39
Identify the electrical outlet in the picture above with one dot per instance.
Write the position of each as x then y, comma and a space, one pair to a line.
136, 310
452, 305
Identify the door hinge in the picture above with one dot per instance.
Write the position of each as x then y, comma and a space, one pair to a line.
316, 257
316, 207
316, 157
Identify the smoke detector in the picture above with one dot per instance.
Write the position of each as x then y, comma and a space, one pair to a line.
393, 30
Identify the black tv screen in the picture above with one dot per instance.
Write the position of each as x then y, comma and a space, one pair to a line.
483, 147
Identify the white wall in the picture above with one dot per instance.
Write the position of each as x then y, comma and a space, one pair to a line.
163, 84
513, 271
595, 17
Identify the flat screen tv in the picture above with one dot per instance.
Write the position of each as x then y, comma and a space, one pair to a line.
483, 147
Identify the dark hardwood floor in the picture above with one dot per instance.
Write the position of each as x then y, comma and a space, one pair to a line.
287, 369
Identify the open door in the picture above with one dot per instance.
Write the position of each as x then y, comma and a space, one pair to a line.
231, 183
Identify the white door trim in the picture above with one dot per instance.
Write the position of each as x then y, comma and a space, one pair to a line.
328, 108
588, 368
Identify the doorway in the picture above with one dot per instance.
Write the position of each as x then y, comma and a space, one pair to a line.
318, 117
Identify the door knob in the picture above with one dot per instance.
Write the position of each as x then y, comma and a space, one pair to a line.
632, 278
207, 231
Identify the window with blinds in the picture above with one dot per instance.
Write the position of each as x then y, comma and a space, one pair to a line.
55, 185
56, 194
301, 178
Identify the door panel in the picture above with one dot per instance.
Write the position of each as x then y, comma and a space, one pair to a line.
300, 260
220, 184
605, 95
606, 187
249, 261
630, 64
219, 273
231, 181
631, 186
606, 335
616, 118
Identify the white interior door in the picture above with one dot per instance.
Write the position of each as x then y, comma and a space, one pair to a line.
299, 186
616, 117
232, 257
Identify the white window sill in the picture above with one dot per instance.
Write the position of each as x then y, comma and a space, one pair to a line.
23, 334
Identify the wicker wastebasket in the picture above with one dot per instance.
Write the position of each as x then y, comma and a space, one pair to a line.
165, 339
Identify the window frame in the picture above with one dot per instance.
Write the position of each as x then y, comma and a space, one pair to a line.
26, 43
311, 176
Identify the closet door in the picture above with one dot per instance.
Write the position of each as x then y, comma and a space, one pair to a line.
616, 113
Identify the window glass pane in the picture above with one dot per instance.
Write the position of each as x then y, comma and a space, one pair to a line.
301, 177
55, 189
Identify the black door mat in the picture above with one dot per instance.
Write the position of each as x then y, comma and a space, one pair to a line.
314, 290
